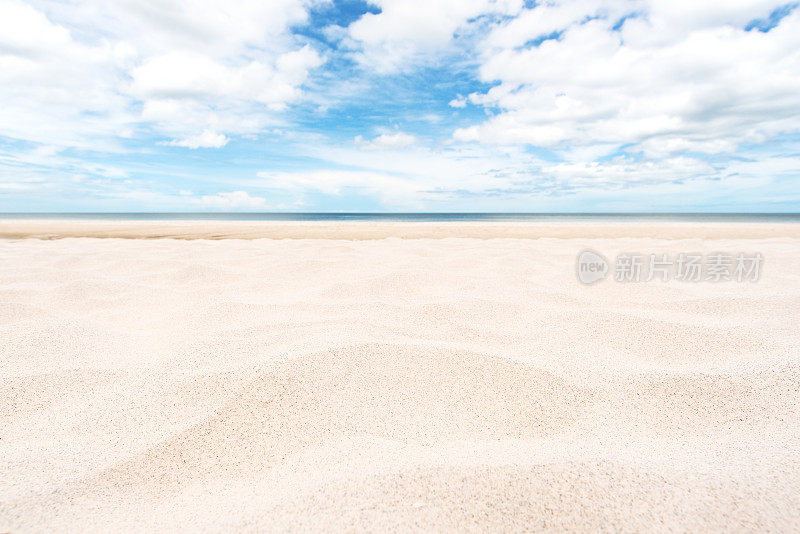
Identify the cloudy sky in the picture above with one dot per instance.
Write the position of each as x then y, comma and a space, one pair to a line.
399, 105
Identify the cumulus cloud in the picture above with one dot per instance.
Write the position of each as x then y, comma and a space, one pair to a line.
386, 141
55, 90
407, 32
659, 77
565, 98
458, 102
179, 75
207, 139
89, 74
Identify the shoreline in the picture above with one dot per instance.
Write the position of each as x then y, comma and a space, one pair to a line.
368, 230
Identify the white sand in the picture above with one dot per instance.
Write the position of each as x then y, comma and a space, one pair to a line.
49, 229
411, 384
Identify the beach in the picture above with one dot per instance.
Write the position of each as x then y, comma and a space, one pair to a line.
264, 376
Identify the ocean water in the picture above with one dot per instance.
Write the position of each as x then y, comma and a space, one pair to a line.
422, 217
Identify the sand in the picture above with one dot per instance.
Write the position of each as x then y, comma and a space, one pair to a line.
371, 382
362, 230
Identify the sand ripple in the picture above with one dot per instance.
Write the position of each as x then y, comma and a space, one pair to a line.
453, 384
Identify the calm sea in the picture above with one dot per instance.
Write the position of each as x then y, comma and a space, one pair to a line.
422, 217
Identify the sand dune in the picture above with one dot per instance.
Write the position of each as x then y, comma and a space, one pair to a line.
412, 384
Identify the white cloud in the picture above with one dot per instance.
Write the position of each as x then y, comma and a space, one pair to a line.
676, 76
27, 32
412, 178
546, 18
179, 75
78, 74
495, 177
184, 92
207, 139
55, 90
406, 32
232, 201
392, 189
386, 141
620, 93
458, 102
215, 28
622, 172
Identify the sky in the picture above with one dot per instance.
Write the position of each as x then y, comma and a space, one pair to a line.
399, 105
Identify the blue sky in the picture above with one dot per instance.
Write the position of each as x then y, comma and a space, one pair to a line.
400, 105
